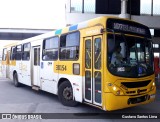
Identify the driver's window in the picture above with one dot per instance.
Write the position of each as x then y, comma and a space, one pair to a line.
116, 50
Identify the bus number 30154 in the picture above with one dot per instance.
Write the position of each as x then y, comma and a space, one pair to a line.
61, 67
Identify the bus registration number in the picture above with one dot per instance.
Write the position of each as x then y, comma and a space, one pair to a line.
61, 67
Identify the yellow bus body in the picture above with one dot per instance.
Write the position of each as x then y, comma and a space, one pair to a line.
89, 30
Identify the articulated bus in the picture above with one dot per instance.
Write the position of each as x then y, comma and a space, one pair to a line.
75, 63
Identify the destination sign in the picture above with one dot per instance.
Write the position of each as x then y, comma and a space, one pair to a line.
128, 27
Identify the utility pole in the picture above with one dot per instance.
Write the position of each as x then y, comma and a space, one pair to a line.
124, 13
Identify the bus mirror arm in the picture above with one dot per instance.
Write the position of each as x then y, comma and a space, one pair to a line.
111, 30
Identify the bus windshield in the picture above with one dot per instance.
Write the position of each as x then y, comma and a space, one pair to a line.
129, 56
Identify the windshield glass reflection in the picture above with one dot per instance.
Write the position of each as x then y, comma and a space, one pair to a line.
129, 56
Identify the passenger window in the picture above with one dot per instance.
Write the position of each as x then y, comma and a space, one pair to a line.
50, 49
13, 53
18, 52
69, 46
26, 51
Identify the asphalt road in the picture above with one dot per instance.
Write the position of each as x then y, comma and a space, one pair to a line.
26, 100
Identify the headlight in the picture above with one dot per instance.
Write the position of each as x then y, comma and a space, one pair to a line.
153, 85
116, 90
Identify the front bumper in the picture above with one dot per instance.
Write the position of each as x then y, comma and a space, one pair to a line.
113, 102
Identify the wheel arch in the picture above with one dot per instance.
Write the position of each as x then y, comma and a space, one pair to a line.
14, 72
61, 80
59, 92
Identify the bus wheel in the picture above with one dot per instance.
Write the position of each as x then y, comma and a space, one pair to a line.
65, 94
15, 80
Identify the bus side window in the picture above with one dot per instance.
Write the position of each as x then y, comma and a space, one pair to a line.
13, 53
50, 48
69, 46
26, 51
18, 52
4, 54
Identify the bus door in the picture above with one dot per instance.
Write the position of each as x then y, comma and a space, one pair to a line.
93, 70
36, 66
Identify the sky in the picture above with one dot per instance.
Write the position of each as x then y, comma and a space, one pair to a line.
37, 14
146, 7
32, 14
43, 14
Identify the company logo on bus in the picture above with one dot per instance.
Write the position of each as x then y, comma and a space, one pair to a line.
138, 91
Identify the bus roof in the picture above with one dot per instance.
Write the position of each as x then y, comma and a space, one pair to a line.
74, 27
89, 23
11, 44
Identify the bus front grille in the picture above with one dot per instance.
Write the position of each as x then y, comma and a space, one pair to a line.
136, 92
136, 84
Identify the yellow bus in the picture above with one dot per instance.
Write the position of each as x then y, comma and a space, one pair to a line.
5, 60
106, 62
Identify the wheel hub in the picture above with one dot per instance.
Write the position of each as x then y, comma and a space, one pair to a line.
67, 93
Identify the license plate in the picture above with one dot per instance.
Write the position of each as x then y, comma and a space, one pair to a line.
152, 96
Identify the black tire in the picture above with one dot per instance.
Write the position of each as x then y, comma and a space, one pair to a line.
65, 94
15, 80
